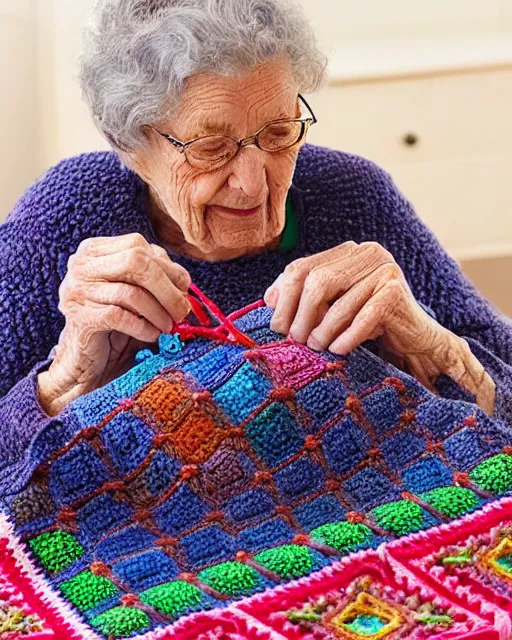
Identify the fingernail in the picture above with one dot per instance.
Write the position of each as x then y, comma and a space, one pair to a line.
338, 348
314, 344
270, 297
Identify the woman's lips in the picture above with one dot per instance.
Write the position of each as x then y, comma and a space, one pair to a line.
234, 212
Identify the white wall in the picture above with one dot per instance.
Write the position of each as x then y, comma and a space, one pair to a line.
340, 21
48, 121
353, 27
67, 128
19, 162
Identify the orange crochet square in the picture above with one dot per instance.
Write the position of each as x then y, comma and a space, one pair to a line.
166, 401
198, 437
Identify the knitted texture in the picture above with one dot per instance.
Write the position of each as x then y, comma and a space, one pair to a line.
337, 197
162, 495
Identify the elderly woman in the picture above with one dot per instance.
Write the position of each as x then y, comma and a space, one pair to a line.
210, 181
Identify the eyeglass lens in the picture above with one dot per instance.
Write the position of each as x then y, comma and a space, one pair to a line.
214, 151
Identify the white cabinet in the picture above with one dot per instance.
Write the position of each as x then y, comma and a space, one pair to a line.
458, 171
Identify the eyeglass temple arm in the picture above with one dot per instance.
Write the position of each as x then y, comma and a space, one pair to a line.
309, 108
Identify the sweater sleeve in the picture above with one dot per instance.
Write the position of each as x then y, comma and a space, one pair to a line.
438, 282
30, 324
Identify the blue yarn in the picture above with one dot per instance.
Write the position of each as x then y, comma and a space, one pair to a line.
401, 448
466, 448
299, 479
181, 511
322, 399
240, 395
442, 416
129, 540
426, 474
356, 444
322, 510
270, 533
160, 473
274, 434
383, 409
368, 488
93, 407
100, 515
208, 545
245, 507
76, 474
256, 319
146, 570
215, 367
127, 440
139, 375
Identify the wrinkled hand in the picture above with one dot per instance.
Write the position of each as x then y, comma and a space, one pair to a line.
119, 294
339, 298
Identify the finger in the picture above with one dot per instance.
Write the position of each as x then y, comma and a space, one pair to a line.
340, 315
290, 283
423, 374
134, 299
271, 295
320, 288
112, 317
469, 373
136, 266
290, 290
103, 246
177, 274
365, 326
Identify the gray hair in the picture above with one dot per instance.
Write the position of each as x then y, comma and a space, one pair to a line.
136, 54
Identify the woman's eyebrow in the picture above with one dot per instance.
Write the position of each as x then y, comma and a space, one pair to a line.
209, 128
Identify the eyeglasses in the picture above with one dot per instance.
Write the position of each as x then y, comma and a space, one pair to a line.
209, 153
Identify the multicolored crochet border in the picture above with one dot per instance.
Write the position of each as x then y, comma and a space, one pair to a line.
451, 581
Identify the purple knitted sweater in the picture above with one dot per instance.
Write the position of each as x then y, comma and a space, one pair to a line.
336, 197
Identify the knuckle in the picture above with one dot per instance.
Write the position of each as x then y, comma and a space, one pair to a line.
394, 290
135, 296
297, 268
183, 279
317, 281
376, 249
85, 244
159, 251
392, 271
139, 261
111, 316
137, 238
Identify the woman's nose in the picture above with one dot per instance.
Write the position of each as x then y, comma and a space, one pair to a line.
248, 172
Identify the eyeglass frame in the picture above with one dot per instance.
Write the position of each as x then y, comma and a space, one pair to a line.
244, 142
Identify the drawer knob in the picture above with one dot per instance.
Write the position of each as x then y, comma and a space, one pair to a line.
411, 139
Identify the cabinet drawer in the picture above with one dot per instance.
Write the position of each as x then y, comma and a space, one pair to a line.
452, 116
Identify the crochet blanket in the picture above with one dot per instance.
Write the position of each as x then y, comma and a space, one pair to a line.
240, 485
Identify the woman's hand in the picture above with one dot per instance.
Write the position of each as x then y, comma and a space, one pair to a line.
119, 294
339, 298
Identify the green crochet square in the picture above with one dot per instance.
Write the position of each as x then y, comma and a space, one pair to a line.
173, 598
121, 622
452, 501
343, 536
56, 550
231, 578
400, 517
288, 561
494, 474
86, 590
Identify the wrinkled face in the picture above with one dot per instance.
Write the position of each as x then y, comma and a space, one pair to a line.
201, 203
